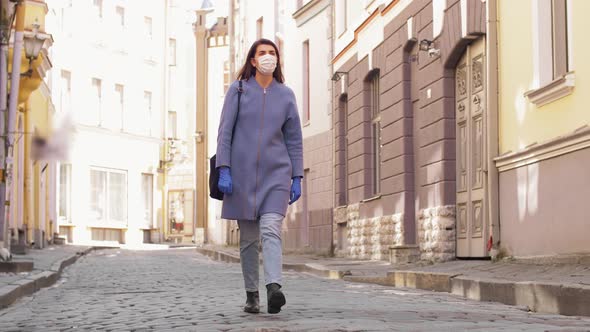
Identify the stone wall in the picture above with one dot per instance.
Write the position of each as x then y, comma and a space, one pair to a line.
436, 235
368, 238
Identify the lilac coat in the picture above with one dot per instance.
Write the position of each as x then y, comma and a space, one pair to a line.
267, 149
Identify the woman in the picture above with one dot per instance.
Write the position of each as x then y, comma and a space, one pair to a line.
261, 165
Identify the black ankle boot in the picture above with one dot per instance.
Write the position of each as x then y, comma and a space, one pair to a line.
252, 302
276, 298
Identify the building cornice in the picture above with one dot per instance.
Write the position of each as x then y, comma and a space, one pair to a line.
578, 140
380, 10
306, 9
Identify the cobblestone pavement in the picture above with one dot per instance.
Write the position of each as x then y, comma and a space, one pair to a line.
118, 290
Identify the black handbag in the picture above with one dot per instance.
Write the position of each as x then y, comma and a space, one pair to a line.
214, 191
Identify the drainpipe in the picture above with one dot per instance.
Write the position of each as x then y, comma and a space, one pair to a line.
492, 114
14, 88
4, 238
29, 199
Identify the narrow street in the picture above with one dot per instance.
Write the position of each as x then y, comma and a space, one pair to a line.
119, 290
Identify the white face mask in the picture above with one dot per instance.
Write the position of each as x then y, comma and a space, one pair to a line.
267, 64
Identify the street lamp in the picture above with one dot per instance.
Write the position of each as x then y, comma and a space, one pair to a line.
428, 46
33, 43
338, 75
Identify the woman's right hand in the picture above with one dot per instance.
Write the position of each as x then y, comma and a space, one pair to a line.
225, 183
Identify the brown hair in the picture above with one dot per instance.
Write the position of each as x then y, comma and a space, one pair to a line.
248, 70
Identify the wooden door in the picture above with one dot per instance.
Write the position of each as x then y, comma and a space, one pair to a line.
471, 126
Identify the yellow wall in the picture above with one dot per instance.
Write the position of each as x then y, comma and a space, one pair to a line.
521, 122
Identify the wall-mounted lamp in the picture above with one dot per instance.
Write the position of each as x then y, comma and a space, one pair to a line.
428, 46
33, 43
338, 75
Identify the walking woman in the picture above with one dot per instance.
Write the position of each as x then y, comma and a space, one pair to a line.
260, 162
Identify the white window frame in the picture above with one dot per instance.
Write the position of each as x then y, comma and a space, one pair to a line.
172, 51
97, 88
120, 14
548, 87
98, 7
149, 28
108, 221
306, 82
260, 27
149, 209
148, 108
67, 218
65, 102
120, 102
172, 125
374, 81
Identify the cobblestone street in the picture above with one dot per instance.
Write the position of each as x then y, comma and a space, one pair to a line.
118, 290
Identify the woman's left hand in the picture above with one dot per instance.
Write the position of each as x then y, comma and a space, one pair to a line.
295, 190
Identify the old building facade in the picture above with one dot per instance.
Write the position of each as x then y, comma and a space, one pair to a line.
410, 130
543, 128
112, 187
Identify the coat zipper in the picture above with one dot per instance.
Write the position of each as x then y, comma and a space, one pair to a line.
258, 155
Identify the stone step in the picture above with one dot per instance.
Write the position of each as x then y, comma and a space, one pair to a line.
404, 254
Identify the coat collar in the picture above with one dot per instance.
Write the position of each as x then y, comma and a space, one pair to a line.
254, 83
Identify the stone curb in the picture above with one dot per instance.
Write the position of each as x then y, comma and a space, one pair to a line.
29, 285
552, 298
315, 269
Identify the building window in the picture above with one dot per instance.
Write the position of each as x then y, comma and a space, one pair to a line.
375, 131
147, 106
306, 82
119, 106
147, 183
280, 46
559, 37
172, 50
553, 60
66, 17
96, 101
121, 16
108, 196
226, 76
172, 124
342, 151
259, 28
97, 8
552, 40
65, 193
341, 20
149, 31
65, 97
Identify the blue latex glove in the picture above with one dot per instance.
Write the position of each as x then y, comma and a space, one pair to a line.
295, 190
225, 183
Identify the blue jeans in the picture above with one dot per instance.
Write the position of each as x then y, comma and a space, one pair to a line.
268, 228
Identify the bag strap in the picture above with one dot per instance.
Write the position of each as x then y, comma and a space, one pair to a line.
240, 90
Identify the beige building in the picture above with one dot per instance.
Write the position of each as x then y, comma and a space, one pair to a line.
113, 88
544, 140
213, 80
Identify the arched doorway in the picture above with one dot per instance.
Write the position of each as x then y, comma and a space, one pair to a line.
471, 164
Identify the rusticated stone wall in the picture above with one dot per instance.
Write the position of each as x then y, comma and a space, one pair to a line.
436, 235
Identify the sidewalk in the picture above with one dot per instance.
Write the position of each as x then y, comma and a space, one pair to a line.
48, 264
556, 285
